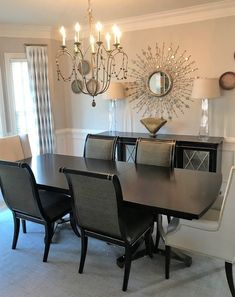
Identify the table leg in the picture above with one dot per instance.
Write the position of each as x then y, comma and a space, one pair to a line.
175, 254
136, 254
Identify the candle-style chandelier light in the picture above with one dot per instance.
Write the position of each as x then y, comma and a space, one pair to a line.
93, 64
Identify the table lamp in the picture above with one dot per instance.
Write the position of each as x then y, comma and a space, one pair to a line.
114, 93
204, 89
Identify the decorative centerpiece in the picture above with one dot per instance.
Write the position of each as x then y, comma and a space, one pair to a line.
153, 124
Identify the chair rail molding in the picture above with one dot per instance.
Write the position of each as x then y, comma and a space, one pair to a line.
71, 141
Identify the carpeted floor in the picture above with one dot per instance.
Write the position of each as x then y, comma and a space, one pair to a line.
23, 274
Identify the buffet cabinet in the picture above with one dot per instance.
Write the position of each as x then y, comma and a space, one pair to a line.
191, 152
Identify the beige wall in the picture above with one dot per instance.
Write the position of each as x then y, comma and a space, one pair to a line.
211, 45
16, 45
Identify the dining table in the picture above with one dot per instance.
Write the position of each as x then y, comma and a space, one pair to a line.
178, 193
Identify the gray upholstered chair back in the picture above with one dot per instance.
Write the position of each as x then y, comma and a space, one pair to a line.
100, 147
18, 188
95, 201
155, 152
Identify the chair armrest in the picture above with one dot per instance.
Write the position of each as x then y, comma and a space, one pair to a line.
218, 203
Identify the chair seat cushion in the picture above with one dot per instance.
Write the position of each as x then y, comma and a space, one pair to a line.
136, 222
209, 221
55, 204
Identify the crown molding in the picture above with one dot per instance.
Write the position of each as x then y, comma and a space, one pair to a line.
191, 14
25, 31
197, 13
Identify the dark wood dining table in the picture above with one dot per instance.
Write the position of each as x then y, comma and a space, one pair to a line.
180, 193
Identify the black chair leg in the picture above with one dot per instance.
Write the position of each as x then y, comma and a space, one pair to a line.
128, 255
16, 231
49, 230
229, 275
158, 236
23, 223
148, 243
167, 262
158, 219
74, 225
84, 240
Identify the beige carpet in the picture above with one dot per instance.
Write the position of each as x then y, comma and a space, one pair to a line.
23, 273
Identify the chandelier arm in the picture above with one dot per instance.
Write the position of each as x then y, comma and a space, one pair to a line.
107, 81
109, 66
104, 72
118, 51
107, 73
83, 87
64, 52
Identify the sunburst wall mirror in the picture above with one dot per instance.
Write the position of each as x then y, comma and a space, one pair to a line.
162, 81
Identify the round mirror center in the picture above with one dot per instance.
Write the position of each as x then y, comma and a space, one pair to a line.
159, 83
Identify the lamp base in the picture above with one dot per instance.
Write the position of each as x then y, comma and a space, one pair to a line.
112, 115
204, 124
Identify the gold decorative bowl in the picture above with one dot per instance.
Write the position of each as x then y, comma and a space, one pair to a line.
153, 124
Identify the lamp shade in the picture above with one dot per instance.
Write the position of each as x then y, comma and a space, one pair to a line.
205, 88
115, 91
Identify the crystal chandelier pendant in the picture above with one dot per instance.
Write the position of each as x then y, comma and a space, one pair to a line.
94, 65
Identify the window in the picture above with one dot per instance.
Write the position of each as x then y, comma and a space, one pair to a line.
2, 110
21, 107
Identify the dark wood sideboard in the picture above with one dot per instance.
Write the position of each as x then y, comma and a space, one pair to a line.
191, 152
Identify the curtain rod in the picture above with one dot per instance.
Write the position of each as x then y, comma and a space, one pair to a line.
34, 44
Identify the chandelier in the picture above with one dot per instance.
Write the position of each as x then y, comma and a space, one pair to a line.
94, 62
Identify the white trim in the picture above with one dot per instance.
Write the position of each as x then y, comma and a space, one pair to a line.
2, 109
10, 93
229, 139
25, 31
191, 14
81, 132
179, 16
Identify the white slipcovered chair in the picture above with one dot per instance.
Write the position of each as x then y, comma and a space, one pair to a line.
212, 235
15, 148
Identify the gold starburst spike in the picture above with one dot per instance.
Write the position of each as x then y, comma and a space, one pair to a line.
162, 81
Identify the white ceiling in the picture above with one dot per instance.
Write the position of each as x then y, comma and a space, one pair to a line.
55, 13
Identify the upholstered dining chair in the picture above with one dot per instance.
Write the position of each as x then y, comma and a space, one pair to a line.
100, 213
14, 148
211, 235
155, 152
158, 153
26, 202
100, 147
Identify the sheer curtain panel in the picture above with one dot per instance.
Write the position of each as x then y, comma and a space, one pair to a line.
39, 84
